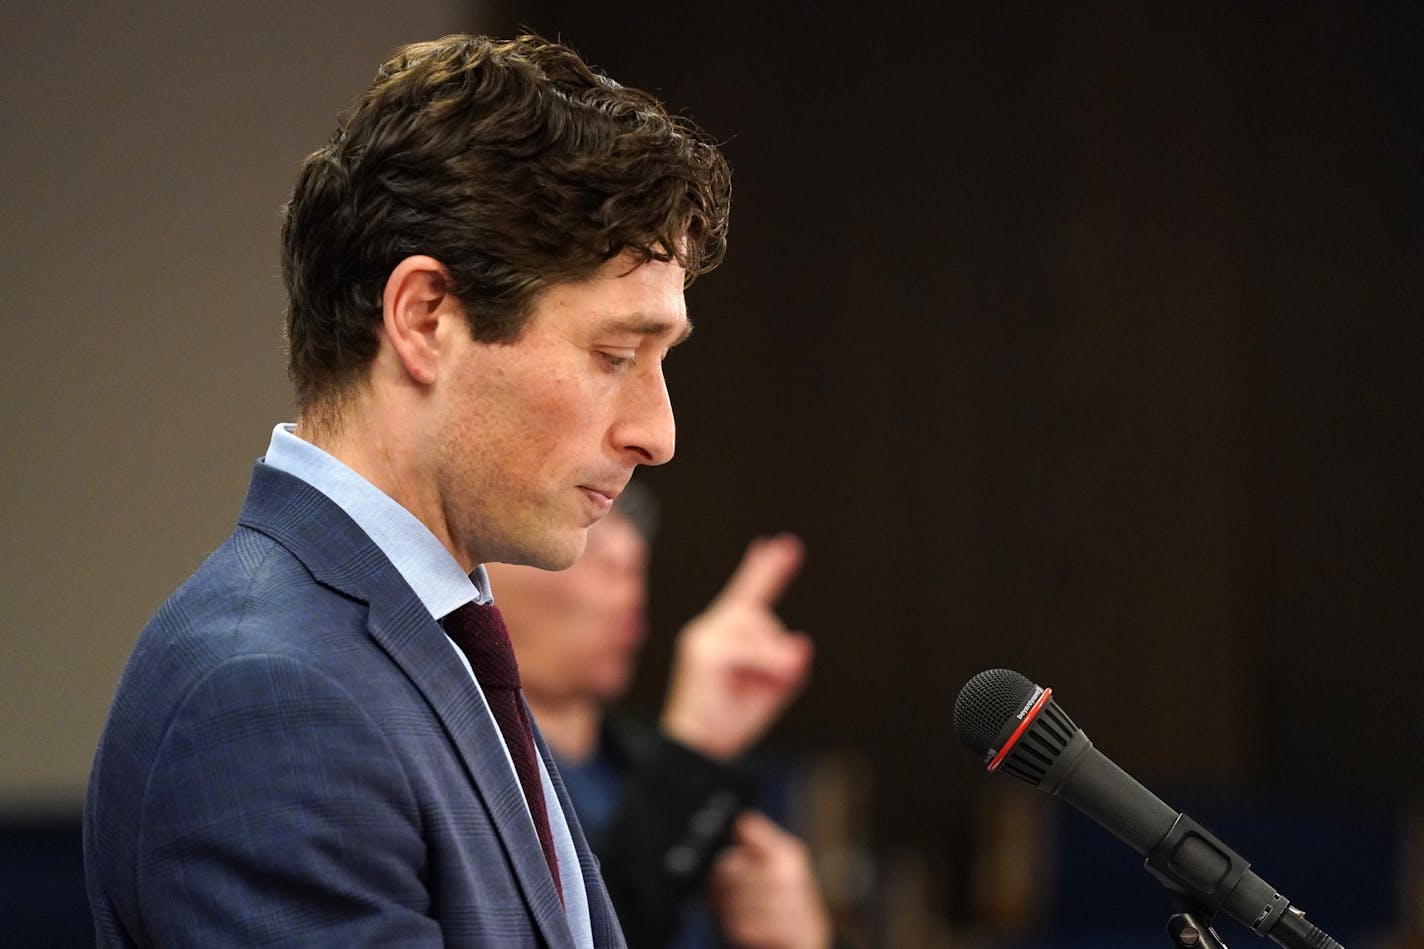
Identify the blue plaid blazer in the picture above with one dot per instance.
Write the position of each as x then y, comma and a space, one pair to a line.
295, 756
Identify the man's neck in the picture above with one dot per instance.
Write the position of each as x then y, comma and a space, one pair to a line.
570, 727
376, 445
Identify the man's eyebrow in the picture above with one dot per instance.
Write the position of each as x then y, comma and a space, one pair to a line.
647, 326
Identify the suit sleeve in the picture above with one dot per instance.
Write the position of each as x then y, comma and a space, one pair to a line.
277, 813
674, 813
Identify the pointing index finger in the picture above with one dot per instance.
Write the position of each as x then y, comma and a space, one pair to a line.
766, 569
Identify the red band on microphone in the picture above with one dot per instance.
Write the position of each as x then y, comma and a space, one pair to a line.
1018, 732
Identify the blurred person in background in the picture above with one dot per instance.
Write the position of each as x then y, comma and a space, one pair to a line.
667, 807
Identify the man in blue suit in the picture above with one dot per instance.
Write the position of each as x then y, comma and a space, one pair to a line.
311, 744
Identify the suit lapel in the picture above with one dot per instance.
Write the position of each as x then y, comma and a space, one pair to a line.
418, 645
317, 531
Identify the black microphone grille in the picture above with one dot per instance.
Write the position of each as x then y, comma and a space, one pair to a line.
985, 703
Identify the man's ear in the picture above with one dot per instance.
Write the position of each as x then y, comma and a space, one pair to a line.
416, 299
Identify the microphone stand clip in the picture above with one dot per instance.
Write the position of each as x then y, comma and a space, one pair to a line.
1190, 926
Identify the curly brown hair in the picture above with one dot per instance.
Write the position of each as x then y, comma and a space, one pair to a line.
512, 163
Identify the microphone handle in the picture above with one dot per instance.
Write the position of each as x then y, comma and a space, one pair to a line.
1181, 853
1091, 782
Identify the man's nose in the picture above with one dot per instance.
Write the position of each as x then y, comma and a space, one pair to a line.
646, 429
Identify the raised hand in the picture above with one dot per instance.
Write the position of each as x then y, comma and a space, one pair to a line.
736, 665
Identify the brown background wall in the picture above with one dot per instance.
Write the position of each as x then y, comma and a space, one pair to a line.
1082, 342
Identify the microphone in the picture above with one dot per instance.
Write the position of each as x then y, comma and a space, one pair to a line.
1019, 728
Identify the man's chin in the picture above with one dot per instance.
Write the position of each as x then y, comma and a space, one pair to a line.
558, 553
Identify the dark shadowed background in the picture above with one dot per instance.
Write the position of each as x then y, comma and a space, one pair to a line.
1079, 341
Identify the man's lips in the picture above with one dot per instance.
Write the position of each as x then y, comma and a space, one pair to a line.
602, 498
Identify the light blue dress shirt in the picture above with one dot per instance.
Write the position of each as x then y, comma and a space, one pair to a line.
443, 587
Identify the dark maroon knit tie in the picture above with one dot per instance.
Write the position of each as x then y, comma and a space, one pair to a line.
479, 631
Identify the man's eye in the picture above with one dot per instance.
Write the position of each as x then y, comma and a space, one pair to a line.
618, 359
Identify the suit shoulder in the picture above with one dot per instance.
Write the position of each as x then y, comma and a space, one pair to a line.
245, 611
250, 595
